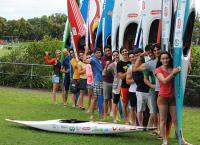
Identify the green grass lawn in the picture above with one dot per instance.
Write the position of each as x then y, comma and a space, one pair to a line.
24, 104
3, 51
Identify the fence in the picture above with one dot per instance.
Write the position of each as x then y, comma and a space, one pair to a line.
32, 75
38, 76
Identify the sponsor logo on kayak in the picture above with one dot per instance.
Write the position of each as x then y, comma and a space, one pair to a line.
155, 12
177, 43
63, 126
143, 5
132, 15
114, 128
122, 128
72, 129
55, 126
86, 128
166, 11
96, 129
74, 31
179, 23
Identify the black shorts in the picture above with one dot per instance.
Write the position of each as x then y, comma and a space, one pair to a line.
66, 82
82, 84
74, 86
132, 98
116, 98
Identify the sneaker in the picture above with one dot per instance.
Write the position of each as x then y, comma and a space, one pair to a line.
159, 138
88, 111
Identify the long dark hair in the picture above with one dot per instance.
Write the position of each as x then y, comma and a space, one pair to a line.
159, 63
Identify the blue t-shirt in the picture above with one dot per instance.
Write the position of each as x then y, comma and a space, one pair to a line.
66, 65
71, 69
96, 68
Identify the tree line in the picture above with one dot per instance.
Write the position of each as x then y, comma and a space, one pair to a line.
34, 28
53, 26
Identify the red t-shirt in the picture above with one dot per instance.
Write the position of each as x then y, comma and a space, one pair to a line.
166, 90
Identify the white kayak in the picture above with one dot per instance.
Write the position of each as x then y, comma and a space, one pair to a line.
80, 127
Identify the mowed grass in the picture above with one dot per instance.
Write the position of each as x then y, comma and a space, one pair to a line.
25, 104
3, 51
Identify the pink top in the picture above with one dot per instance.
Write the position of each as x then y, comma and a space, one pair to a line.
166, 90
89, 74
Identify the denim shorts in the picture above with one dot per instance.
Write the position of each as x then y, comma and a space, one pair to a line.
56, 79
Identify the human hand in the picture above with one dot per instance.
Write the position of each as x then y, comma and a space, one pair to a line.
46, 52
107, 63
176, 70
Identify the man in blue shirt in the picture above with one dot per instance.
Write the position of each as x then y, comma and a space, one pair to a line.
95, 62
66, 70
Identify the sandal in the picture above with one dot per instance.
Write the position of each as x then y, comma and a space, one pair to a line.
164, 143
183, 142
159, 138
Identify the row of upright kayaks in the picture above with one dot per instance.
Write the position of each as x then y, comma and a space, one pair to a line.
134, 23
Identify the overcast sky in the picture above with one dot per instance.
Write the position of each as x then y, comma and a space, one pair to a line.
16, 9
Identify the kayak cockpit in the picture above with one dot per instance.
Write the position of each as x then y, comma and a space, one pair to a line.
72, 121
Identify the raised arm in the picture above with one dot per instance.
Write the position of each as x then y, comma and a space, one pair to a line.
49, 61
129, 79
139, 66
165, 80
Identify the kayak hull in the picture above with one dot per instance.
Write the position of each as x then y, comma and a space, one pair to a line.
80, 127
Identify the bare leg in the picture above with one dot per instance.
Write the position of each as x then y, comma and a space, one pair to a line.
114, 109
140, 118
150, 122
80, 102
94, 102
133, 116
110, 105
55, 88
90, 96
126, 114
105, 105
163, 109
64, 97
73, 100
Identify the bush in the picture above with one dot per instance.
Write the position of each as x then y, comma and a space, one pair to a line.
28, 53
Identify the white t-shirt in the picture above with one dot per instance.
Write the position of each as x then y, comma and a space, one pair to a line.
133, 86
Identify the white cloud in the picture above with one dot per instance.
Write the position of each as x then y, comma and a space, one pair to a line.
16, 9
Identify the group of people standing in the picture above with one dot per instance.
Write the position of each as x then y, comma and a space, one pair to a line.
135, 77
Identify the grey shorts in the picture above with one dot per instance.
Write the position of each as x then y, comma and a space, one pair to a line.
98, 88
142, 100
90, 86
152, 102
107, 90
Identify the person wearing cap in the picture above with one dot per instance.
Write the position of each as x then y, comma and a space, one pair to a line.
66, 70
57, 75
